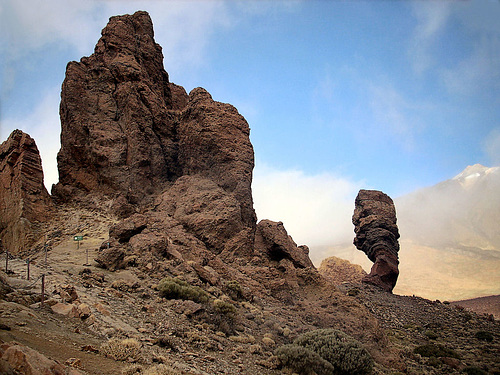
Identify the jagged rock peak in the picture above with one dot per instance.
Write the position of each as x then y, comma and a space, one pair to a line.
23, 197
377, 236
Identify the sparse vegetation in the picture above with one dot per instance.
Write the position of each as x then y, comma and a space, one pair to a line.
341, 351
303, 360
122, 350
225, 308
172, 288
234, 290
435, 350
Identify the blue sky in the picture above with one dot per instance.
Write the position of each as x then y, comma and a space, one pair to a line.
392, 96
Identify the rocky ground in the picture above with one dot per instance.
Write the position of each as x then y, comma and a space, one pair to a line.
86, 306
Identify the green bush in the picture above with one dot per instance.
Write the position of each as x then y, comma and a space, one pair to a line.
484, 336
225, 308
233, 289
435, 350
303, 361
178, 289
344, 353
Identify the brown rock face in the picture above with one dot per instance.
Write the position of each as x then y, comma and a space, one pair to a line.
118, 127
377, 236
341, 270
24, 201
274, 241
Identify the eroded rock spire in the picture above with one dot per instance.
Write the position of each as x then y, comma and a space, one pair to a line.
377, 236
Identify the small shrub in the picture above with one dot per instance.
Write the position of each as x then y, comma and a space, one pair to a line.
225, 308
177, 289
346, 354
473, 370
122, 350
234, 290
434, 350
484, 336
303, 361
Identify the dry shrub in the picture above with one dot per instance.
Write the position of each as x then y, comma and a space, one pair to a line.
344, 354
303, 361
178, 289
122, 350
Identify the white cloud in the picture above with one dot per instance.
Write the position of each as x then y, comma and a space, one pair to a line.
315, 209
491, 146
431, 19
44, 126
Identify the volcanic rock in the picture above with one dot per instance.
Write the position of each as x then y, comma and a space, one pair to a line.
131, 135
340, 270
24, 360
273, 240
377, 236
24, 201
118, 128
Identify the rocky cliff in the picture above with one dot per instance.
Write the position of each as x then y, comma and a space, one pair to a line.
24, 201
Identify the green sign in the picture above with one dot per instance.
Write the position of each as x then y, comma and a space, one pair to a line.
78, 238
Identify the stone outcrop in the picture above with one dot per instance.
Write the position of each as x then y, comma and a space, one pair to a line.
340, 270
273, 241
128, 131
130, 135
24, 201
19, 359
377, 236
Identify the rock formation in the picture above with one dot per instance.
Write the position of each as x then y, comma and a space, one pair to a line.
377, 236
127, 131
131, 136
24, 201
340, 270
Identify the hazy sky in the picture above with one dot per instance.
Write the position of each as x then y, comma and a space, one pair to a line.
339, 95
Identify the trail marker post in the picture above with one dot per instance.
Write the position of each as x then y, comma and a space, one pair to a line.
28, 269
78, 239
43, 290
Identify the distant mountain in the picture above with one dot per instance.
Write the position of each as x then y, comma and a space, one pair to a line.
450, 238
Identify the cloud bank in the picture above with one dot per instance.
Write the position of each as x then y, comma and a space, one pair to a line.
315, 209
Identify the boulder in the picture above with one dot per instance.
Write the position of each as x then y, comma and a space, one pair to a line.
272, 239
377, 236
340, 270
23, 360
24, 201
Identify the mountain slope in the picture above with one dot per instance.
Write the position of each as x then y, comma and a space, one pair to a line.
450, 242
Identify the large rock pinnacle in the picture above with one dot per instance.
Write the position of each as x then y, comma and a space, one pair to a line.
24, 201
131, 136
377, 236
118, 128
